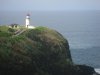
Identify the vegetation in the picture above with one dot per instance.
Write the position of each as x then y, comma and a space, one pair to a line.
4, 28
39, 51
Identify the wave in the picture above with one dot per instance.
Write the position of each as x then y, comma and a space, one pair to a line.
97, 70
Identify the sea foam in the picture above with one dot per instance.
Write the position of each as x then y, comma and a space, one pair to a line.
97, 70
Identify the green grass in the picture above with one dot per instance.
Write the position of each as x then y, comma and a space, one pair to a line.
5, 34
40, 28
4, 28
5, 31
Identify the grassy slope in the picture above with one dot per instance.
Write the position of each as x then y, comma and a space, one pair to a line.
5, 31
4, 28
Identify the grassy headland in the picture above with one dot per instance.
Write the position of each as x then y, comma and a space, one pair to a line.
39, 51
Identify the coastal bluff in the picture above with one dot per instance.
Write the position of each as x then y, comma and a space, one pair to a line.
39, 51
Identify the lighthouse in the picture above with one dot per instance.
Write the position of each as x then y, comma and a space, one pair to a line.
27, 20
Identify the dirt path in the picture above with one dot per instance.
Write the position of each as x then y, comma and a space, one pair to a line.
19, 32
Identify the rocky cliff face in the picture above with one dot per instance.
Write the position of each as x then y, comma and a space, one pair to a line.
39, 51
50, 42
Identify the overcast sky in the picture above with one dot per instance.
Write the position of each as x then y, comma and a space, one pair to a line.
49, 5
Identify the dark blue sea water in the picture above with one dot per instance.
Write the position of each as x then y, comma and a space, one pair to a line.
80, 28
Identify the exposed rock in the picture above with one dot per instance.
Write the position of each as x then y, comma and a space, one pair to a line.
85, 70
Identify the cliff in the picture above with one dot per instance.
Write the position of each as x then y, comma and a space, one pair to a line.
39, 51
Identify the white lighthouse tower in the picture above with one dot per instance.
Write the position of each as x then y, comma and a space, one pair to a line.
27, 20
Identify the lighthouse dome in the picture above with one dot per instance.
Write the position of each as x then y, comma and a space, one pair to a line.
28, 14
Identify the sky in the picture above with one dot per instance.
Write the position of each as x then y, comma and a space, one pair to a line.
48, 5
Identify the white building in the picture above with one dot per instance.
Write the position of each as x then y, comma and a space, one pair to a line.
28, 22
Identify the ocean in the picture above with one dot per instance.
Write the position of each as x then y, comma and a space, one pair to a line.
80, 28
